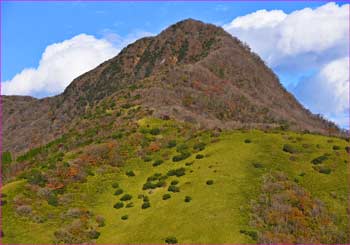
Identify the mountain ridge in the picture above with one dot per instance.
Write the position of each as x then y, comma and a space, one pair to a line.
192, 71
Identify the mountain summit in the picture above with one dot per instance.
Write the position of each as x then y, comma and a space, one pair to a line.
191, 71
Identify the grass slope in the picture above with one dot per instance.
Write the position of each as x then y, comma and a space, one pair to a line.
215, 214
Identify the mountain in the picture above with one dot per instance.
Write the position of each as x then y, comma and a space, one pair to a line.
186, 137
191, 71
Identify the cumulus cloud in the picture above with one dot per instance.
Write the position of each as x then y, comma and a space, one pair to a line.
327, 92
59, 65
304, 42
304, 37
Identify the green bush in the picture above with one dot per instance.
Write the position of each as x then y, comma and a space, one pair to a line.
6, 158
125, 217
324, 170
319, 160
181, 156
199, 146
130, 173
182, 148
188, 163
210, 182
118, 205
171, 143
35, 177
52, 200
126, 197
173, 188
157, 162
115, 185
188, 199
147, 159
252, 234
118, 192
145, 205
176, 172
199, 156
247, 141
174, 182
171, 240
145, 198
154, 131
129, 205
289, 148
93, 234
166, 196
336, 147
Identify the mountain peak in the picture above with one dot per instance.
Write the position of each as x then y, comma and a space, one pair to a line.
191, 71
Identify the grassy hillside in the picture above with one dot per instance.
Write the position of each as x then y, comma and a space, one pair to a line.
212, 190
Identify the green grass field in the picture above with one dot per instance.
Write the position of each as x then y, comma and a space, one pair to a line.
216, 212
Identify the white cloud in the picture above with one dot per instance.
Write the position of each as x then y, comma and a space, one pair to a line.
304, 37
62, 62
327, 92
59, 65
303, 42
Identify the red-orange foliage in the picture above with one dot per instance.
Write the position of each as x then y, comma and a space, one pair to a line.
154, 147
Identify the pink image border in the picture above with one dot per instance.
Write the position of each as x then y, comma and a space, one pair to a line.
198, 1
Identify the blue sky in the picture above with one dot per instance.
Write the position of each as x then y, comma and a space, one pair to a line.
28, 28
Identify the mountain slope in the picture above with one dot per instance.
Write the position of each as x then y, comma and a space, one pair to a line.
162, 181
191, 71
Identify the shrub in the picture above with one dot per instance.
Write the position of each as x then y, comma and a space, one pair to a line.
319, 160
171, 240
126, 197
93, 234
100, 220
336, 147
171, 144
145, 198
210, 182
118, 205
130, 173
199, 146
324, 170
182, 148
115, 185
145, 205
147, 159
125, 217
181, 157
199, 156
35, 177
174, 182
257, 165
252, 234
52, 200
129, 205
347, 149
176, 172
188, 163
166, 196
157, 162
247, 141
154, 131
188, 199
289, 148
173, 188
6, 158
118, 192
24, 210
